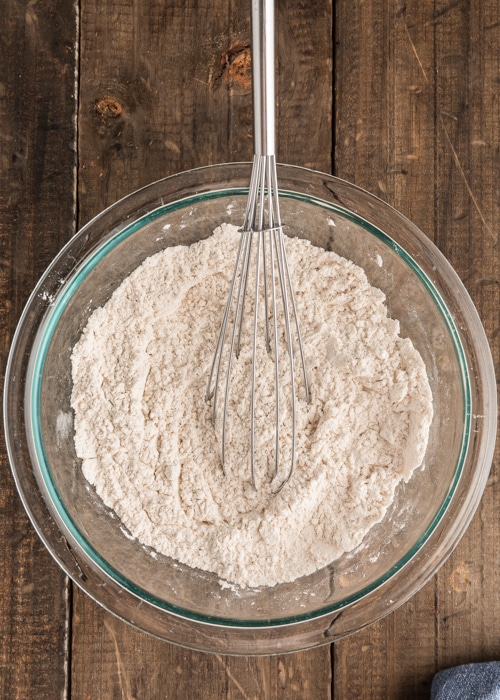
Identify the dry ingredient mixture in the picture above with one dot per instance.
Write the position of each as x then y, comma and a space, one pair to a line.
143, 429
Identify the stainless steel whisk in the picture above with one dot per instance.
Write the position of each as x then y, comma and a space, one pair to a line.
262, 231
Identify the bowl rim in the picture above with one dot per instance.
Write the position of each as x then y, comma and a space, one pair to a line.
49, 325
54, 309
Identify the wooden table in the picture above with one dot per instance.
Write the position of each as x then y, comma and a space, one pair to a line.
98, 98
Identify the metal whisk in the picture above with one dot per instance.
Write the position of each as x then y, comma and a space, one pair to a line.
262, 233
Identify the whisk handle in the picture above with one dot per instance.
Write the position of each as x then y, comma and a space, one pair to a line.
263, 77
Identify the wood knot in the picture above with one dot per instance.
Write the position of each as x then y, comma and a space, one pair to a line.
236, 65
462, 577
108, 107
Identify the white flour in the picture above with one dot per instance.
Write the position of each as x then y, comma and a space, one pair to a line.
144, 433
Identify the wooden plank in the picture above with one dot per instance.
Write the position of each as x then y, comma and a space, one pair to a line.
37, 132
165, 86
467, 218
153, 103
385, 143
112, 660
382, 103
385, 127
421, 84
161, 69
304, 83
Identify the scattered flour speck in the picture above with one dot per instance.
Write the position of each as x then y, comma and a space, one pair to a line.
64, 426
143, 429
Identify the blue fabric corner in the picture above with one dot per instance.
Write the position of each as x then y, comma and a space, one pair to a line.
468, 682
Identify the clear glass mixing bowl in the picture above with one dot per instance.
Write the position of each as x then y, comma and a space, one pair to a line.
190, 607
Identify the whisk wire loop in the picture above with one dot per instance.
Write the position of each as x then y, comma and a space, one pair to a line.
261, 232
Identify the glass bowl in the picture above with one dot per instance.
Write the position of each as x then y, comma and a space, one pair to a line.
189, 607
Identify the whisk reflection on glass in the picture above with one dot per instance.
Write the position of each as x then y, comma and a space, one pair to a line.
262, 241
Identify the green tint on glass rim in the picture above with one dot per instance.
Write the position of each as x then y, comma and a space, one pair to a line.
166, 598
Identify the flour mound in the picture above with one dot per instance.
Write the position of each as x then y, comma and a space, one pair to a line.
144, 434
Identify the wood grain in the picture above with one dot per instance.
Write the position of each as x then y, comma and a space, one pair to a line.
128, 664
180, 94
159, 94
385, 142
37, 154
100, 98
468, 164
419, 127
